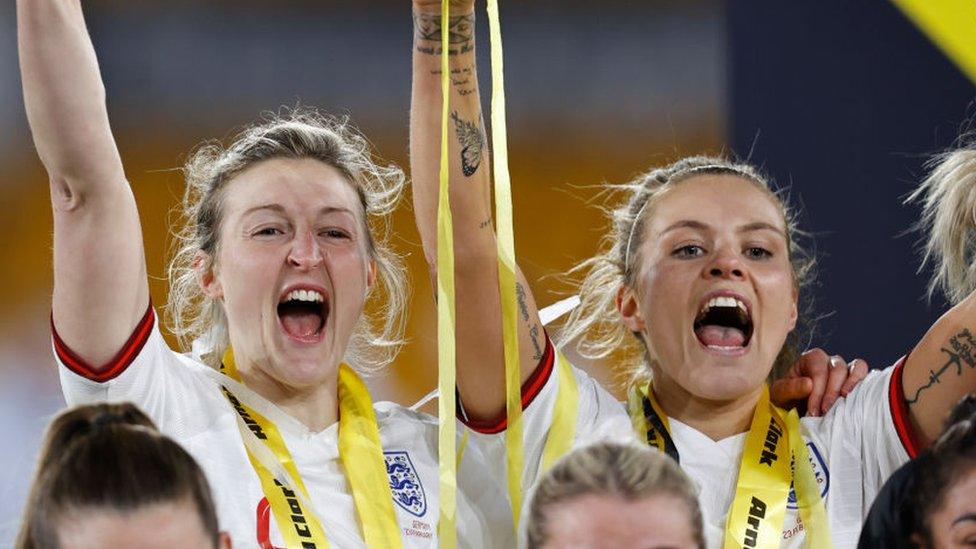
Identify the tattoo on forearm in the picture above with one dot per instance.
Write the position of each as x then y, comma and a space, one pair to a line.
534, 329
485, 224
960, 351
462, 78
520, 295
536, 346
427, 33
472, 140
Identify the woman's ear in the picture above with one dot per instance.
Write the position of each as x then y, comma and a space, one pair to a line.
224, 541
629, 309
206, 276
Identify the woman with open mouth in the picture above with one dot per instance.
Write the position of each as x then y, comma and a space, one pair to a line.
700, 285
283, 246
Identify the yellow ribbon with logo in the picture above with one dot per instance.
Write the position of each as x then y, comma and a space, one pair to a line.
775, 455
447, 463
362, 456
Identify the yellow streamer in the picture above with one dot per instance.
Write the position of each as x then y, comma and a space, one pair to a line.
446, 374
951, 24
565, 415
506, 267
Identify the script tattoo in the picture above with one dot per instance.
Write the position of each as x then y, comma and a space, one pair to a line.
961, 351
472, 141
427, 32
462, 78
533, 329
485, 224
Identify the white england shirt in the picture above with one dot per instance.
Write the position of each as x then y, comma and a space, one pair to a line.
177, 392
853, 448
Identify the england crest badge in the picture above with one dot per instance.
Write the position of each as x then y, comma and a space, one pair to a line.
408, 492
820, 471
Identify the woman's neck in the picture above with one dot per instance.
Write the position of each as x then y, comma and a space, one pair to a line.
717, 419
315, 407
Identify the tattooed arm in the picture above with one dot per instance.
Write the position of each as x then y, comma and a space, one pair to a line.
941, 369
480, 358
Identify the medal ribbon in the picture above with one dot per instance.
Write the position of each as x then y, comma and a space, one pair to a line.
361, 454
774, 447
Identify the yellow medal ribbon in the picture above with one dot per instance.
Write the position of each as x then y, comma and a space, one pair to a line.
446, 375
775, 455
362, 456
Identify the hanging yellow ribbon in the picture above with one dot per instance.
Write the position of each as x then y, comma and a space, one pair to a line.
775, 455
506, 267
362, 456
951, 25
562, 431
446, 405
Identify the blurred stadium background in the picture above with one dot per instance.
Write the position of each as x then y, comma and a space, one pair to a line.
841, 102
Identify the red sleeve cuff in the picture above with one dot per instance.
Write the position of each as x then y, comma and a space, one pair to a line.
530, 389
900, 413
118, 364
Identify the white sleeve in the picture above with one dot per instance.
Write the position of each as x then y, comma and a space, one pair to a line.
146, 372
601, 417
874, 420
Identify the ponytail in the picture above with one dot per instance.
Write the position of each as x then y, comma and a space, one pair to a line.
109, 456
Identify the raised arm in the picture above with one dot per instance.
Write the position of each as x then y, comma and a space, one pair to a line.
100, 287
480, 362
942, 367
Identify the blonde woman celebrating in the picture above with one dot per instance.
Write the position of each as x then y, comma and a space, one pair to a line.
701, 280
283, 247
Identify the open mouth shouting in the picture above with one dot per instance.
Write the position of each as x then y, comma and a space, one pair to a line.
303, 312
724, 323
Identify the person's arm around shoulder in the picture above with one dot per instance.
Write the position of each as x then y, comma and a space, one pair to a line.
100, 286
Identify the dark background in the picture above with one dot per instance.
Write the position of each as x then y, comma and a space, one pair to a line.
842, 101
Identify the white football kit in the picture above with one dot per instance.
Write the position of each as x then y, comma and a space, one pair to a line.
180, 396
854, 448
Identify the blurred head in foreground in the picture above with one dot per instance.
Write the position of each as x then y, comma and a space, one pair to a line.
107, 478
612, 495
944, 494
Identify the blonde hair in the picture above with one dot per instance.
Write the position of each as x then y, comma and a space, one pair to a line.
295, 133
628, 472
595, 325
948, 221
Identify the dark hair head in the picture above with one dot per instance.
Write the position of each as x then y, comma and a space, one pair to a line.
951, 457
109, 456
